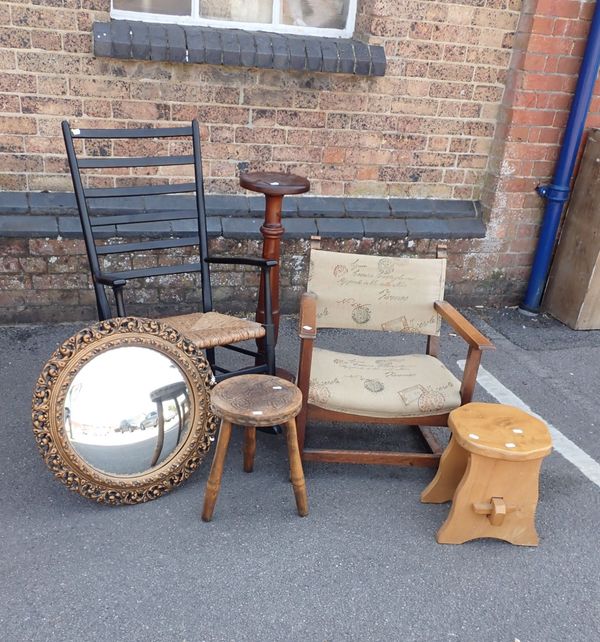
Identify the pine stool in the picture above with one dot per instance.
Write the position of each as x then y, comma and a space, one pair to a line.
490, 471
253, 401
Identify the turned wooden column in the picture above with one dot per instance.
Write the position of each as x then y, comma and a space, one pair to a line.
274, 185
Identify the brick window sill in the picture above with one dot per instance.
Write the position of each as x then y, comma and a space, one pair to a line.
237, 48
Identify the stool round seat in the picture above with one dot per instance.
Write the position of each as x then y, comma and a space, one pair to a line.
256, 400
251, 401
500, 432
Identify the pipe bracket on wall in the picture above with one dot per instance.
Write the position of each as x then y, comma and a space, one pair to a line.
553, 192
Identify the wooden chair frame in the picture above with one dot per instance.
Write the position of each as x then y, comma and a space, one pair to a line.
477, 343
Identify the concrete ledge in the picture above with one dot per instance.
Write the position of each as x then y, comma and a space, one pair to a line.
236, 48
41, 214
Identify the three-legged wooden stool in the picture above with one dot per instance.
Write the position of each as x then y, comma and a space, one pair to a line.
490, 471
253, 401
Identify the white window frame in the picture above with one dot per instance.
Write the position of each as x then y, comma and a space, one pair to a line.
274, 27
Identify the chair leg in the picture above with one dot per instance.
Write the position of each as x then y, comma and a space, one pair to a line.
210, 357
297, 474
118, 290
249, 448
213, 484
269, 347
301, 429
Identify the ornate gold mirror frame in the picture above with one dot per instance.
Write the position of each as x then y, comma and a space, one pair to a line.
48, 411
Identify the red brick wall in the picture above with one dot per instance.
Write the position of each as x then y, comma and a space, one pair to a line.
472, 106
548, 46
423, 130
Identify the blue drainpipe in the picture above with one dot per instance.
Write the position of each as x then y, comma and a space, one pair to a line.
557, 193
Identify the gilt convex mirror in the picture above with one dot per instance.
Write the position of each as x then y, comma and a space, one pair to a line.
121, 410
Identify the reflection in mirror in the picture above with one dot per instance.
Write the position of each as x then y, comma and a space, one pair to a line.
127, 410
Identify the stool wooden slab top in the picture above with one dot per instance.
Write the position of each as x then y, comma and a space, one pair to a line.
252, 401
490, 471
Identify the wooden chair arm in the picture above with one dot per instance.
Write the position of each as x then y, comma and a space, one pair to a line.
462, 326
307, 328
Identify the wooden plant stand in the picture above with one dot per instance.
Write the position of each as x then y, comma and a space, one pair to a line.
490, 471
274, 185
253, 401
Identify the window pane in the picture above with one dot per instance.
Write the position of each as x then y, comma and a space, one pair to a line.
239, 10
331, 14
169, 7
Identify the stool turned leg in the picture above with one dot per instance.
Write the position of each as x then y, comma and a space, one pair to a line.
495, 498
453, 464
213, 484
296, 471
249, 448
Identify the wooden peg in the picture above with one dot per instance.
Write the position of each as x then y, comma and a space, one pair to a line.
315, 242
496, 510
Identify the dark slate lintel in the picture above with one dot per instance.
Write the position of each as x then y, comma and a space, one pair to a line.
247, 49
362, 56
182, 228
49, 202
264, 50
439, 228
346, 57
195, 45
231, 48
39, 214
314, 54
227, 205
120, 39
297, 48
159, 49
317, 206
242, 228
341, 228
176, 43
394, 228
432, 208
140, 40
14, 203
234, 47
69, 227
102, 39
26, 225
375, 207
289, 207
329, 53
378, 61
298, 228
213, 47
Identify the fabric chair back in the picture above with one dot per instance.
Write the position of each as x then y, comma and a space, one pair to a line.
377, 293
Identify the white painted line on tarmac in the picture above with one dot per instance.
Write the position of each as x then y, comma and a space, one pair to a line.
570, 451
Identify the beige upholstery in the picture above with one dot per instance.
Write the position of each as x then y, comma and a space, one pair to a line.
406, 386
377, 293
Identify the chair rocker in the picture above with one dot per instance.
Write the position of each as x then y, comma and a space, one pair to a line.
386, 294
100, 219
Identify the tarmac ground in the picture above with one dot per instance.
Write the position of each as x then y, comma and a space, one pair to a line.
364, 565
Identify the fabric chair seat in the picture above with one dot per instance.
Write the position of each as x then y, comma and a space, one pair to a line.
211, 329
404, 386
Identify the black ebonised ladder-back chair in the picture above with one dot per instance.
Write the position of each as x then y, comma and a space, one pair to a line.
207, 328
